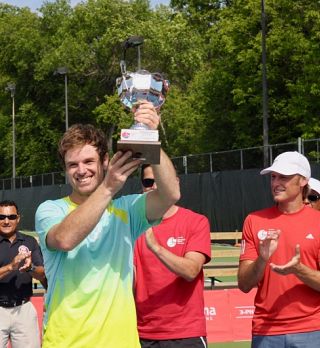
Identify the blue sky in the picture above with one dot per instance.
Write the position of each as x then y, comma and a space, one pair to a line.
34, 4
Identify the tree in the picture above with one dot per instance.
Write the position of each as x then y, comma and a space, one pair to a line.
210, 52
230, 83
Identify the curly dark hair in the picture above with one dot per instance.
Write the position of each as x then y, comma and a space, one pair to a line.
83, 134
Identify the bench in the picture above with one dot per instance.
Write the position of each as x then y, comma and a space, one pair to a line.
37, 288
225, 260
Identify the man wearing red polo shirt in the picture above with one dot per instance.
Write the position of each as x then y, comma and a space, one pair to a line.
280, 256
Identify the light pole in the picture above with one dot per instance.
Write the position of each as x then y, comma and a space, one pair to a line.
130, 42
265, 110
11, 87
64, 71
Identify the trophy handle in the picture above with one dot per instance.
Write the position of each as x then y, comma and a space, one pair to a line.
123, 67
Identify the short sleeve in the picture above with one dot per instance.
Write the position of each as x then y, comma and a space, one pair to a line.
248, 247
199, 237
136, 205
47, 215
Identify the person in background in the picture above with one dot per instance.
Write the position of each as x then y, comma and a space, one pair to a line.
20, 260
313, 197
169, 279
87, 240
280, 255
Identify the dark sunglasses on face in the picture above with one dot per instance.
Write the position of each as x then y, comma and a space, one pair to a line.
313, 198
10, 217
147, 182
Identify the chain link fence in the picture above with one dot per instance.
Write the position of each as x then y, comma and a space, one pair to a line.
55, 178
246, 158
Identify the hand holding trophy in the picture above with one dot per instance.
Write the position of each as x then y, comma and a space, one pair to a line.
133, 89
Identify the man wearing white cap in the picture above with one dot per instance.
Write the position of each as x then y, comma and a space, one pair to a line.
313, 198
280, 256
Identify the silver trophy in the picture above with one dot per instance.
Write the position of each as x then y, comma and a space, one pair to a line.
132, 88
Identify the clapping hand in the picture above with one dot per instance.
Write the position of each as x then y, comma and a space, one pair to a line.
289, 267
21, 262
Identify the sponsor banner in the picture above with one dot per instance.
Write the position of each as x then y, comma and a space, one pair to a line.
241, 311
217, 315
228, 314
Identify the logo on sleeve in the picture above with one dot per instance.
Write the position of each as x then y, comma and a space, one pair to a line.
243, 246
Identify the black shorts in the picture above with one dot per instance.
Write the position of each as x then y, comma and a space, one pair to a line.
194, 342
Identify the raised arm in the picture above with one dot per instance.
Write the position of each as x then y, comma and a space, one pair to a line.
167, 192
76, 226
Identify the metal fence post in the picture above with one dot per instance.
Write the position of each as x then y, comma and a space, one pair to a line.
300, 145
241, 159
185, 164
271, 155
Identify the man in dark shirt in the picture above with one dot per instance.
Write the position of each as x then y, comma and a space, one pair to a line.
20, 260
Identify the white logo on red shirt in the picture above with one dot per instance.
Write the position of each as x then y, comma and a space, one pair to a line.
262, 234
172, 242
310, 236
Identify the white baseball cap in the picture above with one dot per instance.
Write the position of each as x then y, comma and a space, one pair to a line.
290, 163
314, 185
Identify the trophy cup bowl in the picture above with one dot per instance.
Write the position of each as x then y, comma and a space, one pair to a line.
133, 87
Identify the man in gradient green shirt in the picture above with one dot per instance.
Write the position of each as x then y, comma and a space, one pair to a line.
87, 240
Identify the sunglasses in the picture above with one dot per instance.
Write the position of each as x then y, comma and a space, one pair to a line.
313, 198
10, 217
147, 182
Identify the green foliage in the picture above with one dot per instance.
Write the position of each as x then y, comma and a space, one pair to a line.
231, 84
112, 117
209, 50
36, 142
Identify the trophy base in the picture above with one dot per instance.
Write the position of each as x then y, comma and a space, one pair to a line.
149, 151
